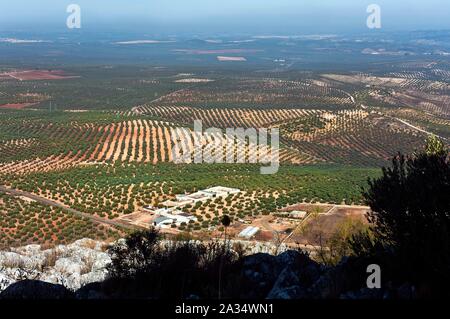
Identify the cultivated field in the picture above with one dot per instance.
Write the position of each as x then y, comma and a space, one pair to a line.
102, 143
26, 222
113, 191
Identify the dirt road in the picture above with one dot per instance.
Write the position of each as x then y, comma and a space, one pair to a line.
48, 202
418, 128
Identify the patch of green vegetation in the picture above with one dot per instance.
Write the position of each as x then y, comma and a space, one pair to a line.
96, 87
23, 222
305, 124
111, 190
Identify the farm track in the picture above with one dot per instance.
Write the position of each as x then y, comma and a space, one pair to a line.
418, 128
137, 109
48, 202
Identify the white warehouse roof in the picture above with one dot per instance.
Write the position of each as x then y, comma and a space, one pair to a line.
249, 232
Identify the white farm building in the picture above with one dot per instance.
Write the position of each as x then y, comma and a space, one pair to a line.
249, 232
167, 218
201, 196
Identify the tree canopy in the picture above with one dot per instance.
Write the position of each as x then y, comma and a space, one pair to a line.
410, 215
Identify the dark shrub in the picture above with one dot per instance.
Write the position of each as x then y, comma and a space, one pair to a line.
145, 267
411, 220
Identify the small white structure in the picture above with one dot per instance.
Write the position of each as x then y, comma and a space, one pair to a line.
162, 211
168, 217
201, 196
162, 222
176, 203
183, 198
297, 214
220, 191
249, 232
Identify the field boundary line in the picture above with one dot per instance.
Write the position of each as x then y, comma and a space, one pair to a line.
48, 202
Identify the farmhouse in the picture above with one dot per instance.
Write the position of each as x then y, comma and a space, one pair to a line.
162, 222
193, 198
166, 217
220, 191
201, 196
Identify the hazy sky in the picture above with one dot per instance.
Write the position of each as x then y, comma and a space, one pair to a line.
257, 16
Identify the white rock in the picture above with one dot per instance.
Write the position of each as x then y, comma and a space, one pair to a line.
69, 266
73, 281
75, 265
5, 281
95, 276
15, 260
30, 250
52, 277
101, 261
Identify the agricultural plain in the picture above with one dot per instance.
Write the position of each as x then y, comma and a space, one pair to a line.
98, 139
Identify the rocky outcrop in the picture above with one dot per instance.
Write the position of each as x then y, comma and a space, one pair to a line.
79, 270
84, 262
34, 289
71, 266
285, 276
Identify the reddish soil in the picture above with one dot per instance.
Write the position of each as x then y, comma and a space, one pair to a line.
322, 228
16, 106
227, 51
28, 75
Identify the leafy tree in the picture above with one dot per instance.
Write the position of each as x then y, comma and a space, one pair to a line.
134, 254
410, 215
144, 267
226, 221
435, 146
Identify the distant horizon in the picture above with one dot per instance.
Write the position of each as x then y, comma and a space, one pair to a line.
143, 34
287, 17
